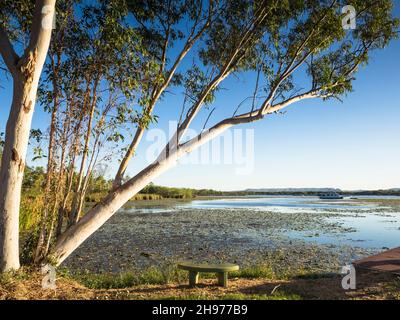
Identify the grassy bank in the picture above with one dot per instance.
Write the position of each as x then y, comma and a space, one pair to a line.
256, 283
155, 275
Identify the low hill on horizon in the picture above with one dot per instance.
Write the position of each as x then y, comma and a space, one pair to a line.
293, 190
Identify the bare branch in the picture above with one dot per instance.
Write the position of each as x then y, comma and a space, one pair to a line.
208, 118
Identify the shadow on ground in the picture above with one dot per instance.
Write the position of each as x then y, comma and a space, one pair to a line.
369, 285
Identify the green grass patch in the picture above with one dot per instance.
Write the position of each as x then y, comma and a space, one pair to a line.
255, 272
149, 276
156, 275
232, 296
108, 281
309, 275
275, 296
14, 276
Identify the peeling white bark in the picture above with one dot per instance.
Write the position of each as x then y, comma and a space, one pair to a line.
26, 73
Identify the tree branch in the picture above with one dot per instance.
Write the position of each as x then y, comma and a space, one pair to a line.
10, 57
40, 33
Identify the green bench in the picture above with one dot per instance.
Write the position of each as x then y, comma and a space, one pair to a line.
220, 269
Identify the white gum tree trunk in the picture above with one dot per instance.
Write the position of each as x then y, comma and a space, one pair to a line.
11, 174
26, 73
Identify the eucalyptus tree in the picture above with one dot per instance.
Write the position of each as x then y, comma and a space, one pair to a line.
24, 61
281, 41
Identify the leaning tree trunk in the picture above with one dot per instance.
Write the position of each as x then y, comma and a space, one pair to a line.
125, 161
101, 212
26, 73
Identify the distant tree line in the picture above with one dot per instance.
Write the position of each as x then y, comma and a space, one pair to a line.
211, 192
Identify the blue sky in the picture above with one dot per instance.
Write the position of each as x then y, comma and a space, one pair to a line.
349, 145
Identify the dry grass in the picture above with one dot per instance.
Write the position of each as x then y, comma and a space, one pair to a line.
27, 285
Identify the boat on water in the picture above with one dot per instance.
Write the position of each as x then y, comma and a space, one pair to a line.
330, 195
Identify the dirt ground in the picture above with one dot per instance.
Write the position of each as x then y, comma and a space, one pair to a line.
369, 286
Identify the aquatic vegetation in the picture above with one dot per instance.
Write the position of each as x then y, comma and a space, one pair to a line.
285, 241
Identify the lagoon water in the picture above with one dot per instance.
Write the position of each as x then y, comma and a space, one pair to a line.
368, 225
269, 203
303, 230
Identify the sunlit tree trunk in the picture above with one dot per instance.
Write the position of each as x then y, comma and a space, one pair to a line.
26, 73
129, 154
101, 212
11, 174
79, 189
98, 215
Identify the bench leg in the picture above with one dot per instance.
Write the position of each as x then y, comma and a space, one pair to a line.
223, 279
193, 278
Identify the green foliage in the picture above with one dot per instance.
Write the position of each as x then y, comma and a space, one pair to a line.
98, 188
195, 81
233, 296
29, 244
98, 183
276, 296
151, 275
256, 272
161, 275
31, 210
32, 198
141, 196
167, 192
297, 32
10, 277
16, 17
107, 281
